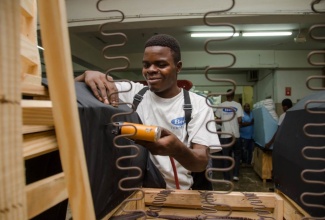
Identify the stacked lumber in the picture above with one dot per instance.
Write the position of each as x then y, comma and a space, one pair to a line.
33, 123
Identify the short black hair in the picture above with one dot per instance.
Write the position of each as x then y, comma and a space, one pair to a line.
287, 102
231, 94
165, 40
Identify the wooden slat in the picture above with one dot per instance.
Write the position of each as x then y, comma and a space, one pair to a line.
37, 112
30, 59
45, 193
40, 143
53, 26
292, 211
28, 8
29, 89
27, 129
12, 178
191, 199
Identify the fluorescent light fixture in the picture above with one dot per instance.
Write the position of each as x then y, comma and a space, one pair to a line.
266, 34
215, 34
244, 34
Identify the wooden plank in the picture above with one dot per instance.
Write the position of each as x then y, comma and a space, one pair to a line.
192, 199
40, 143
27, 129
28, 8
30, 89
53, 26
37, 112
263, 163
12, 176
45, 193
184, 213
292, 211
30, 59
278, 207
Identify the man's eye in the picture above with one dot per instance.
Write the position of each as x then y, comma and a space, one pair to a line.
145, 65
162, 65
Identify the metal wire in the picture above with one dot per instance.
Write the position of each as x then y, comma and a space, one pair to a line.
114, 118
258, 206
308, 127
313, 3
209, 207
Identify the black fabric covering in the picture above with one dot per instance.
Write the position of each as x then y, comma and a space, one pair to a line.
288, 160
101, 154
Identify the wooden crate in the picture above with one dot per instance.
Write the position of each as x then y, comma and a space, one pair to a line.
189, 203
263, 163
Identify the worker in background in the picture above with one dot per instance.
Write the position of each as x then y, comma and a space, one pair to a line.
286, 104
225, 111
246, 135
162, 105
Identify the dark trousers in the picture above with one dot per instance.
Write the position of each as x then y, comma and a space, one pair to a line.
247, 150
232, 151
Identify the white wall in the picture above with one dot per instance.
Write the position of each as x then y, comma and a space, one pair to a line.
296, 79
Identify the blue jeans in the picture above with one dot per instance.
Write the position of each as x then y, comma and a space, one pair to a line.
247, 150
233, 151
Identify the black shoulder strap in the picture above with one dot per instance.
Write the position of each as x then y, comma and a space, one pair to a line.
187, 103
138, 97
187, 107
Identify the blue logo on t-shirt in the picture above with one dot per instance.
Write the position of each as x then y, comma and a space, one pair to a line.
178, 121
229, 110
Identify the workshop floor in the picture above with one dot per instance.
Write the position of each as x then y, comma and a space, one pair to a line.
249, 181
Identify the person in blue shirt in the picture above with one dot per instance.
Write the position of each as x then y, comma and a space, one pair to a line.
246, 135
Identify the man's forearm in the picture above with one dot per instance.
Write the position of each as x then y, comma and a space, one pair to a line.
195, 160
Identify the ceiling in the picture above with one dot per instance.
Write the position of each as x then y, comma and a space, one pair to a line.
138, 32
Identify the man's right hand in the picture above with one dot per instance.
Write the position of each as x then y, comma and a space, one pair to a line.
102, 86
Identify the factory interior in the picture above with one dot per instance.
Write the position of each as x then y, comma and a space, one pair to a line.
63, 156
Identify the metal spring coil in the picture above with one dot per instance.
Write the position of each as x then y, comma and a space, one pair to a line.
105, 51
209, 207
307, 149
258, 207
158, 201
313, 3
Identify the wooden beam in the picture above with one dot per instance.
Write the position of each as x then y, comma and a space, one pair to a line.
40, 143
37, 112
45, 194
12, 175
27, 129
54, 31
192, 199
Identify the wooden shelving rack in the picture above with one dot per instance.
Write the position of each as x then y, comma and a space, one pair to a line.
45, 123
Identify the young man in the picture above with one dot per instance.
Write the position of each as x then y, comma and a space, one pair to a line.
246, 135
231, 113
286, 104
162, 105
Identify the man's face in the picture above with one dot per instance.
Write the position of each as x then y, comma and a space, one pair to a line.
247, 108
160, 71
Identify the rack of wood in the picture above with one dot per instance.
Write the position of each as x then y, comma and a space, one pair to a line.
37, 124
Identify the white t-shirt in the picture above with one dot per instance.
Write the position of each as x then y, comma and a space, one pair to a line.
231, 126
281, 118
169, 114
